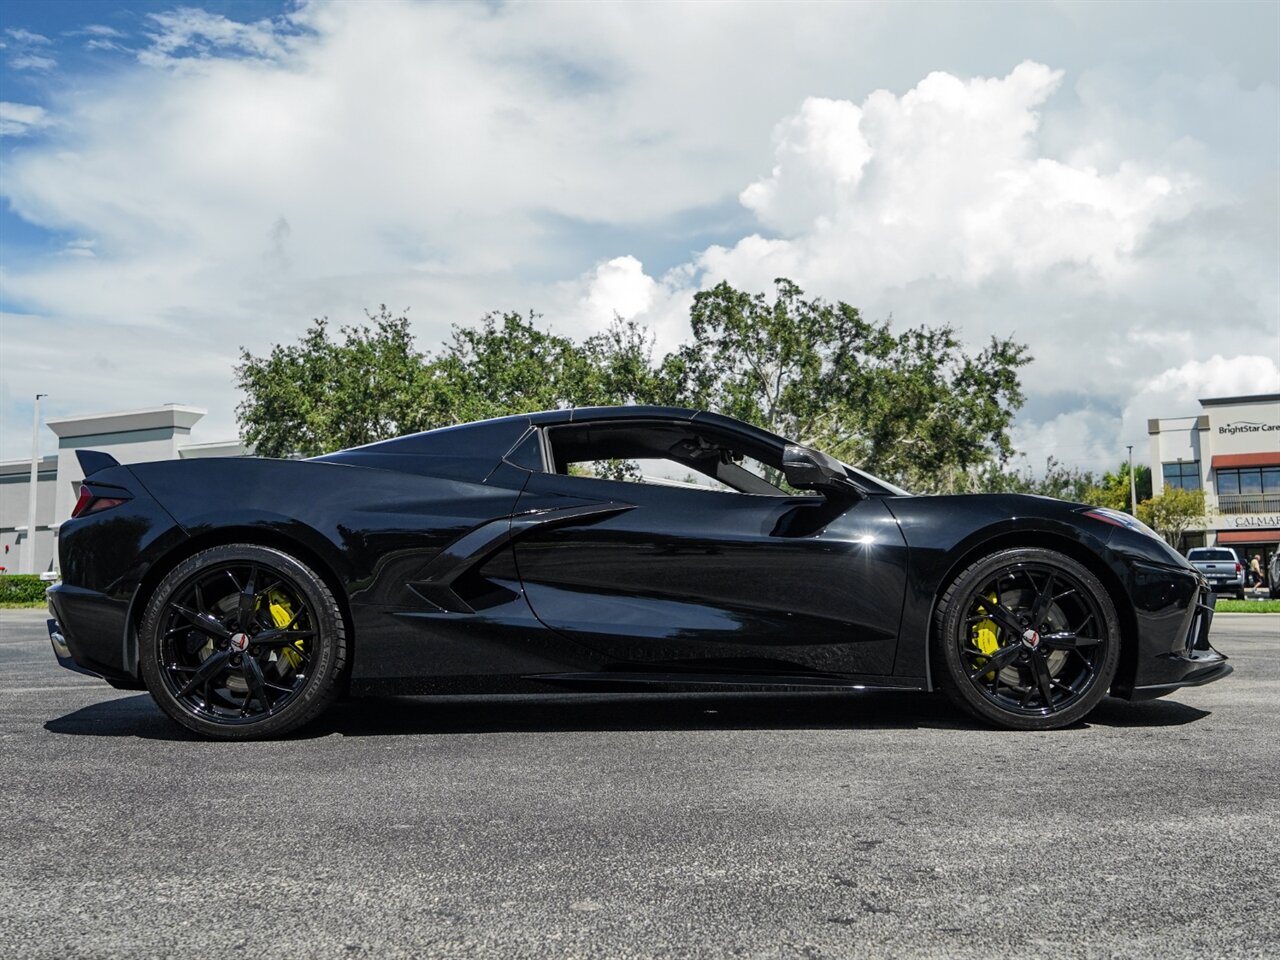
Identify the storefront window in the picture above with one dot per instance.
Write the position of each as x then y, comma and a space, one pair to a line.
1247, 480
1185, 474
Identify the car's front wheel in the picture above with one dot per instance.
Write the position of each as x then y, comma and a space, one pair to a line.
242, 641
1026, 638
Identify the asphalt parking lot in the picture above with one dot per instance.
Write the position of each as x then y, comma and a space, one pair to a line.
731, 825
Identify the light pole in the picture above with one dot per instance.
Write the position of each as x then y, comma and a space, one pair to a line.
29, 555
1133, 485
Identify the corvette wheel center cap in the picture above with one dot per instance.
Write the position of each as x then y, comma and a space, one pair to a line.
1031, 638
239, 641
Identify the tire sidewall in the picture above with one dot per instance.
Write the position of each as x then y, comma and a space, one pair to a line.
950, 619
328, 655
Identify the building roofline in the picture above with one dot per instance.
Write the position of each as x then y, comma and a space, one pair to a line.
170, 415
1255, 398
23, 464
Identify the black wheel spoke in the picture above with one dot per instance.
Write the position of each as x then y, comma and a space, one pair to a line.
202, 621
1068, 640
281, 637
257, 689
205, 673
996, 661
1002, 615
247, 601
1043, 600
1044, 679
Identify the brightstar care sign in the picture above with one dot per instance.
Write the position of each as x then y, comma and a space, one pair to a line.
1245, 426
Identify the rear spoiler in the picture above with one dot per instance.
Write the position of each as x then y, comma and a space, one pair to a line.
91, 461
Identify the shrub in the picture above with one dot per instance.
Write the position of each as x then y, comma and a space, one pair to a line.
21, 588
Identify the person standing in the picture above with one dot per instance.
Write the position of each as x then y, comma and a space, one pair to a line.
1255, 571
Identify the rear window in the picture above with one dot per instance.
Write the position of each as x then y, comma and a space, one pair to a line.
1211, 555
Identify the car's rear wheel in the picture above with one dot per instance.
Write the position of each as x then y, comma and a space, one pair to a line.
1026, 638
242, 641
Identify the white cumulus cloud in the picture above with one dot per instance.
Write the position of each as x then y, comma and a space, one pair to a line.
239, 178
945, 181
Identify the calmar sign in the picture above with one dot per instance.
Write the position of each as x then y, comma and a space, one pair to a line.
1257, 520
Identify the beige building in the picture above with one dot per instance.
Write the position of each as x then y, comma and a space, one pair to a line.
131, 436
1231, 451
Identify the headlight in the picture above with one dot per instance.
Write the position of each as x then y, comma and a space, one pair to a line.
1118, 519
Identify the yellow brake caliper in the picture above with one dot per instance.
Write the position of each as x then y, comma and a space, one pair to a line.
281, 611
984, 637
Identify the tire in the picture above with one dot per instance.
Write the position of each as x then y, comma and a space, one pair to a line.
1240, 594
1046, 674
242, 642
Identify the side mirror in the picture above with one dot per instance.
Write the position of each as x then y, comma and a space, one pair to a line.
807, 469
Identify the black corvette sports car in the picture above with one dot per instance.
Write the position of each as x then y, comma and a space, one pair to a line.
606, 548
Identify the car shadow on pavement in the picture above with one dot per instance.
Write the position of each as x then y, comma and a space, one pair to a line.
138, 716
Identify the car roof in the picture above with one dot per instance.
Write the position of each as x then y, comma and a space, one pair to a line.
497, 435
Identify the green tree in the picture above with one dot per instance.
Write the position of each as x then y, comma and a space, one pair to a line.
507, 365
914, 407
1173, 513
1113, 489
323, 394
1058, 480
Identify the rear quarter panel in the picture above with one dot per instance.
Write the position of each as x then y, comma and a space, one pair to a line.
371, 529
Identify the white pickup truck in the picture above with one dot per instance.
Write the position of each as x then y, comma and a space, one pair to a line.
1221, 567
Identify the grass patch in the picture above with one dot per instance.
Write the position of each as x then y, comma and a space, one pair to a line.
1248, 606
22, 604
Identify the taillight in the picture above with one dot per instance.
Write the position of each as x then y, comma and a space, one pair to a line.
85, 497
1238, 567
89, 503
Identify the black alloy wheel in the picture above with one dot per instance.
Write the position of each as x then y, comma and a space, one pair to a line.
1026, 638
242, 641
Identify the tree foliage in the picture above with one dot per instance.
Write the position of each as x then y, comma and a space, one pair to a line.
507, 365
323, 394
1113, 489
914, 406
1173, 513
1058, 480
1064, 482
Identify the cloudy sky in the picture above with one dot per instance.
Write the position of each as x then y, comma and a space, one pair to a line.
1101, 181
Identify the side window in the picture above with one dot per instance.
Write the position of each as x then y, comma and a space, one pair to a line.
527, 453
659, 471
662, 453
